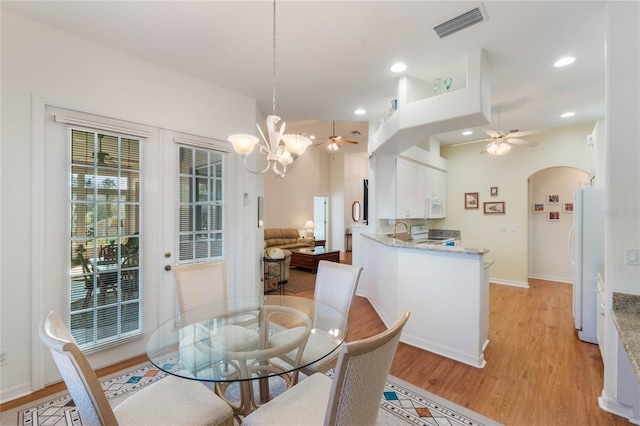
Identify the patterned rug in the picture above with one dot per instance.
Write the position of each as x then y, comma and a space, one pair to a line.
401, 404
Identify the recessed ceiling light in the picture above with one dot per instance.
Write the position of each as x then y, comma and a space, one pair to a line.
567, 114
467, 132
359, 111
398, 67
564, 61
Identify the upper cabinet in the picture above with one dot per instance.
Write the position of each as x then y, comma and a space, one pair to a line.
409, 190
436, 189
401, 189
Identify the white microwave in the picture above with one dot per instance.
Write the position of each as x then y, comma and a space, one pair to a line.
435, 208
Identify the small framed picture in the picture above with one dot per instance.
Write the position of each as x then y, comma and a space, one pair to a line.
537, 208
471, 200
494, 207
494, 191
554, 216
553, 199
567, 207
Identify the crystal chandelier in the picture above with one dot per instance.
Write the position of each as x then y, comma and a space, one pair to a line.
280, 156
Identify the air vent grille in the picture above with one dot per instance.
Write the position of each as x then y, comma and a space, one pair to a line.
459, 22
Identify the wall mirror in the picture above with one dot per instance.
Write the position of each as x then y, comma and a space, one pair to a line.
355, 211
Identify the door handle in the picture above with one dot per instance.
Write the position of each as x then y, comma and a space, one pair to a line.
167, 267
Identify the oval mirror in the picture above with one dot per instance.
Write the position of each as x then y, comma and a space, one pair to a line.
355, 211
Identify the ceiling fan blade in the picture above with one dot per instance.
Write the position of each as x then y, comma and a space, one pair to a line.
476, 141
517, 134
521, 142
344, 140
492, 133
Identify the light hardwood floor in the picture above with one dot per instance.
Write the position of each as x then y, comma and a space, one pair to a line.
537, 373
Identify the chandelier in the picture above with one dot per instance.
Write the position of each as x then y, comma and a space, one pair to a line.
281, 150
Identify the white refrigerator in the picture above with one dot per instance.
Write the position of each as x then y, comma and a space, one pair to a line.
586, 247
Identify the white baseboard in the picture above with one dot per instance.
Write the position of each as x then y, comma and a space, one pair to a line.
15, 392
614, 407
457, 355
509, 282
551, 278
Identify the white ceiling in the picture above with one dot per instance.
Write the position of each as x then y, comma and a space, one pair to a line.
334, 56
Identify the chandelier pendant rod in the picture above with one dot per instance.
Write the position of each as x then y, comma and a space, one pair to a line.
273, 76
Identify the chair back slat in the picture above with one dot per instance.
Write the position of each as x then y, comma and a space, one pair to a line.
336, 285
199, 284
360, 377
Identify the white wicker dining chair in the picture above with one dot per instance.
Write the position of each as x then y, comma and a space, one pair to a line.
336, 285
351, 398
170, 400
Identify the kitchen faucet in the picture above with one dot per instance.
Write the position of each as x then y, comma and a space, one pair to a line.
395, 227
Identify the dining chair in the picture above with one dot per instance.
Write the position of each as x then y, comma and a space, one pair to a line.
171, 400
197, 285
336, 285
88, 280
352, 397
129, 277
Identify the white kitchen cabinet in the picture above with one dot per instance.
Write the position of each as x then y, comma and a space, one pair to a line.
401, 189
436, 187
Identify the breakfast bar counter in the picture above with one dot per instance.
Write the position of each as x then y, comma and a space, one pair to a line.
446, 288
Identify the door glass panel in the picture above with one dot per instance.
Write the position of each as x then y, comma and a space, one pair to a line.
201, 205
105, 280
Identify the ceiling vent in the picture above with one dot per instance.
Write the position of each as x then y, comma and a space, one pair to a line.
460, 22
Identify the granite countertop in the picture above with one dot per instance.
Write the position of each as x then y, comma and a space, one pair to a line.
394, 242
626, 316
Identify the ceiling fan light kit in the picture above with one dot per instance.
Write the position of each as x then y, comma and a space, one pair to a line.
280, 157
497, 148
335, 141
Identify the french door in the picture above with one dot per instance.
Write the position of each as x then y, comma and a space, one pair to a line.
120, 204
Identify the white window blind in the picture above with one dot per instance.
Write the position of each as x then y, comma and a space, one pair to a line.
200, 205
106, 283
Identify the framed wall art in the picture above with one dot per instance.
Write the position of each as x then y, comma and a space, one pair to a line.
537, 208
494, 191
554, 216
553, 199
471, 200
494, 207
567, 207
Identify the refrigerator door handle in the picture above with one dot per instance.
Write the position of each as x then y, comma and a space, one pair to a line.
571, 244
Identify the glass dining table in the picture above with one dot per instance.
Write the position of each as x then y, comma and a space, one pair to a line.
235, 341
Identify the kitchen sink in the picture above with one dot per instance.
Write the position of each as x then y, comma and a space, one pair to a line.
402, 236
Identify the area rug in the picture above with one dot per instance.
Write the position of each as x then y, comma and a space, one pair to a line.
300, 280
401, 404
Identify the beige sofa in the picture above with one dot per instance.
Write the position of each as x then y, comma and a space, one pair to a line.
285, 239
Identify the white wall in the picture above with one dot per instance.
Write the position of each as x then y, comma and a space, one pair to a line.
469, 171
63, 69
548, 252
356, 170
288, 201
622, 219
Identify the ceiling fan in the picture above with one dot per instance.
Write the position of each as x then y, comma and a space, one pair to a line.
335, 141
500, 141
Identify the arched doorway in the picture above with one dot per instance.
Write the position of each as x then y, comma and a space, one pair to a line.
550, 220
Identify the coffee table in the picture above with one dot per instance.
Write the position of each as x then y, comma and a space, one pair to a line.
309, 257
